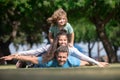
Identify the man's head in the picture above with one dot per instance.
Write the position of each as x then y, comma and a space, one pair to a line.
61, 55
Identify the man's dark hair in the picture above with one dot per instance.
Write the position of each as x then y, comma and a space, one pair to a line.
62, 49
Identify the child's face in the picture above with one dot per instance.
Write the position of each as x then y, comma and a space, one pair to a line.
61, 21
62, 41
62, 58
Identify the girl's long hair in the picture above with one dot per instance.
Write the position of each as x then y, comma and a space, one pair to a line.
50, 53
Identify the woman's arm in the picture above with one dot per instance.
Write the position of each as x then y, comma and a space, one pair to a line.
78, 54
35, 52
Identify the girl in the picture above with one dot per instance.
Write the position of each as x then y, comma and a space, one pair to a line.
59, 21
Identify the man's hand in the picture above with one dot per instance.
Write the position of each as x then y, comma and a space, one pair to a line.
7, 58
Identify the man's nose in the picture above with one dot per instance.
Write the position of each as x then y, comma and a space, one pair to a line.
62, 59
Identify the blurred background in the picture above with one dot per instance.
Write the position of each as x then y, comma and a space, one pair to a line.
96, 25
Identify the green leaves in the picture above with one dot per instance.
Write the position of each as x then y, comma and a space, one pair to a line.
84, 31
32, 15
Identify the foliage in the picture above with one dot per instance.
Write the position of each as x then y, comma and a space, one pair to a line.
113, 31
84, 31
28, 19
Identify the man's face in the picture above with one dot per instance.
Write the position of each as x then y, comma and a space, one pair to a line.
62, 58
62, 40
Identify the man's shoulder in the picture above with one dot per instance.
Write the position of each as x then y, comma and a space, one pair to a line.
72, 58
75, 62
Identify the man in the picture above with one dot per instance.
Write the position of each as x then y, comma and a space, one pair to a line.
59, 59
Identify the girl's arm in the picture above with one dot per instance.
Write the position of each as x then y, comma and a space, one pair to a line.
71, 40
50, 37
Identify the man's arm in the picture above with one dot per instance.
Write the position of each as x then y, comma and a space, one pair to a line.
32, 59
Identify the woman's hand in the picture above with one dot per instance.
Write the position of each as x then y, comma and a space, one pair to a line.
103, 64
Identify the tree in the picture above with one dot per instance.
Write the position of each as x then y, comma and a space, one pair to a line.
100, 16
22, 21
19, 23
100, 19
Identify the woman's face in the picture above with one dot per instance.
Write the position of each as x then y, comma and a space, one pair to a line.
62, 40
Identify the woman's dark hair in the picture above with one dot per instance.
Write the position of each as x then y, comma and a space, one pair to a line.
50, 53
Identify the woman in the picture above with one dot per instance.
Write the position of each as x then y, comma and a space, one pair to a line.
61, 39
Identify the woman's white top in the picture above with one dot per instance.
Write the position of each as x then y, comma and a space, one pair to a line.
72, 51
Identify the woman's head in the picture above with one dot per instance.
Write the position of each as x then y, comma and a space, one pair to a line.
59, 17
60, 40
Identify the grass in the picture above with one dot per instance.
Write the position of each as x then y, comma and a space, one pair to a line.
112, 72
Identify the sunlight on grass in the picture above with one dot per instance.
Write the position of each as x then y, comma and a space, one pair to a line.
7, 67
9, 72
109, 66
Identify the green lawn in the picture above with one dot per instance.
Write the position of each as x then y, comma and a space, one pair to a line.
112, 72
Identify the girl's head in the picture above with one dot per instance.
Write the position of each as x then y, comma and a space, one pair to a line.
59, 18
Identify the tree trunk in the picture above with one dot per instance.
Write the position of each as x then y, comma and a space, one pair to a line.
98, 50
4, 46
100, 28
107, 45
90, 48
116, 49
4, 51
